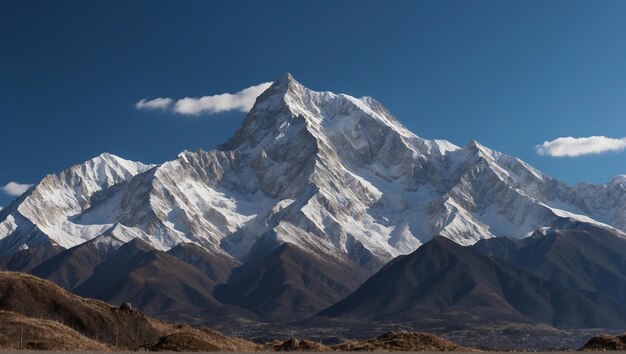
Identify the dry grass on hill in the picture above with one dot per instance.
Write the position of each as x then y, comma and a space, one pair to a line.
393, 341
97, 323
38, 334
187, 338
605, 342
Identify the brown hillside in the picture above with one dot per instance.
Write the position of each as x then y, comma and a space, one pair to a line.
191, 339
294, 345
393, 341
605, 342
38, 298
38, 334
123, 327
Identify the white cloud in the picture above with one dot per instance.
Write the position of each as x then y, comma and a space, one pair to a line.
15, 189
155, 104
241, 101
568, 146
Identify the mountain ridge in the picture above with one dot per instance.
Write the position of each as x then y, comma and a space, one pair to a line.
329, 173
445, 283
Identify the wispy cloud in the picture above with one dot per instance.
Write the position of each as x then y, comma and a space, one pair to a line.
569, 146
154, 104
240, 101
15, 189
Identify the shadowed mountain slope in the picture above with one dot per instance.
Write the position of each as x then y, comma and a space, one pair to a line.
29, 259
578, 255
152, 280
288, 283
445, 280
70, 268
216, 266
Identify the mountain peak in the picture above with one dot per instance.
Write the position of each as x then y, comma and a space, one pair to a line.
476, 148
475, 145
444, 241
619, 180
107, 155
282, 86
114, 161
285, 79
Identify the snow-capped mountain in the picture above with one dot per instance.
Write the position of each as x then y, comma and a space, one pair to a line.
328, 173
68, 208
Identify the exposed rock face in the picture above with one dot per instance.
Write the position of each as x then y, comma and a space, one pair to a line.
127, 307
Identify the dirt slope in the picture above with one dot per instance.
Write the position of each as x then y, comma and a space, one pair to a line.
38, 334
95, 321
605, 342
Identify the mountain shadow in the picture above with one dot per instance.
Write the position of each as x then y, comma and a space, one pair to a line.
447, 282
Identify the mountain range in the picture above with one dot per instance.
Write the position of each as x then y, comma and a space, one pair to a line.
325, 202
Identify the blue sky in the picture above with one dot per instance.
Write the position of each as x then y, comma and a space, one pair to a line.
511, 74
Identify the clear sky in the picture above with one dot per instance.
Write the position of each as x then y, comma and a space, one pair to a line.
510, 74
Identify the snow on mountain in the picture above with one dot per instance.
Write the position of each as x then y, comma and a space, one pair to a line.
330, 173
68, 208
